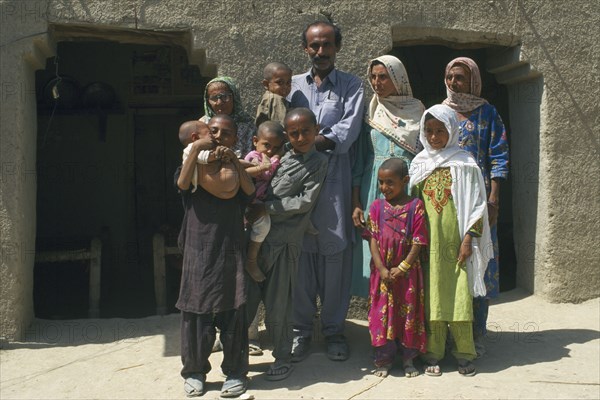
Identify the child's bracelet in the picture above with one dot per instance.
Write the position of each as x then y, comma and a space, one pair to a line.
404, 266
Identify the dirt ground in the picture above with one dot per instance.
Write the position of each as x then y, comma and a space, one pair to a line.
535, 350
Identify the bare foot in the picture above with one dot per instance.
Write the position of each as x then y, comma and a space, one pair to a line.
382, 371
409, 369
255, 272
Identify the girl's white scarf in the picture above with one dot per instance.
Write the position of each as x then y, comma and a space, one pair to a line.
468, 191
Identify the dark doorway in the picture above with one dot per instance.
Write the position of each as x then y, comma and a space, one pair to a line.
425, 66
107, 150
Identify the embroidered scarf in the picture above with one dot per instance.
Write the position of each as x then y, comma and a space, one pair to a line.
396, 117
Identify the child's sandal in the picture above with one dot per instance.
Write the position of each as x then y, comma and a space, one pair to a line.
432, 368
466, 368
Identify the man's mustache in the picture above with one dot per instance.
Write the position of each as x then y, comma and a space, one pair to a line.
319, 58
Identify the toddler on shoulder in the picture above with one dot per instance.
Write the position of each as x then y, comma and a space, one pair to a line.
215, 175
278, 84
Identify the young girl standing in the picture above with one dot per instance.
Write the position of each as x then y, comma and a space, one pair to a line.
451, 186
396, 232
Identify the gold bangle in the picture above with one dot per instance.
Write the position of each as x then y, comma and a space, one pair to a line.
403, 266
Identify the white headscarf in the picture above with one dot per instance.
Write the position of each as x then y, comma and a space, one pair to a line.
397, 117
468, 190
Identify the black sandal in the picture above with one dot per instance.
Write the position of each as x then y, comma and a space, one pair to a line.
466, 368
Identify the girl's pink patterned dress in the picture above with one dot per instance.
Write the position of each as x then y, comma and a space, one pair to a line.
397, 309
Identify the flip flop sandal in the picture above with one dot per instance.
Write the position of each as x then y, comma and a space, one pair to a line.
466, 368
433, 365
337, 348
234, 387
194, 386
279, 372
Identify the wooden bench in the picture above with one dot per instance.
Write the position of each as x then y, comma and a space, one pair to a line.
94, 254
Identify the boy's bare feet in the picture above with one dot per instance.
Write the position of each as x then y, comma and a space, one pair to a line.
409, 369
382, 371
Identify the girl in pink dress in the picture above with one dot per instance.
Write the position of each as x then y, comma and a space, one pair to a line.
396, 231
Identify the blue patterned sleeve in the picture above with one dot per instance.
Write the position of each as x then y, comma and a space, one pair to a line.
498, 149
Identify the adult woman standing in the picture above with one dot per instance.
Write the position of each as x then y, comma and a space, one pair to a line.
391, 129
221, 96
482, 134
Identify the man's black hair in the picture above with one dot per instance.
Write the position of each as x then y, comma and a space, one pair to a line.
336, 31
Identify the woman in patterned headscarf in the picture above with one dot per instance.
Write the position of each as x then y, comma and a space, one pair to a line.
482, 134
221, 96
391, 129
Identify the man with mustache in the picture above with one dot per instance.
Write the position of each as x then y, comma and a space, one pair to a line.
325, 267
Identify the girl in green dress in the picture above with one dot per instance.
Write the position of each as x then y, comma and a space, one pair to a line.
451, 186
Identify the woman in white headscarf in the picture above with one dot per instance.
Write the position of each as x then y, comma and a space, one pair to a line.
391, 129
451, 185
